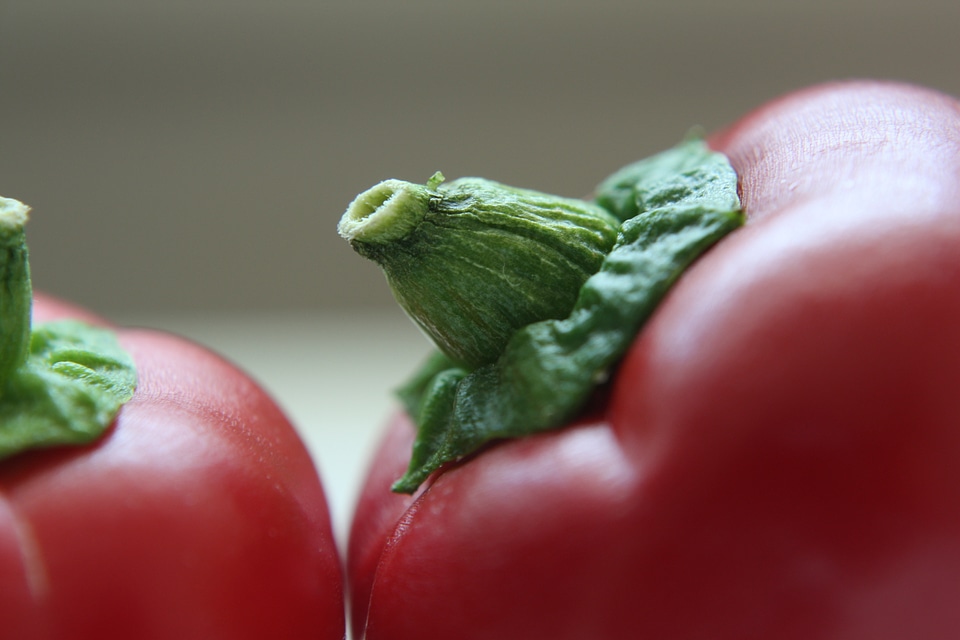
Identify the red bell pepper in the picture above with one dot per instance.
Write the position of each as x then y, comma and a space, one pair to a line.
198, 514
778, 453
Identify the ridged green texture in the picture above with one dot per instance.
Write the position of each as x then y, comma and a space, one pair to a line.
16, 292
673, 207
473, 260
75, 379
61, 383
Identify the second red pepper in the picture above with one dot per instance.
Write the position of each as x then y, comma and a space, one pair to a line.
779, 454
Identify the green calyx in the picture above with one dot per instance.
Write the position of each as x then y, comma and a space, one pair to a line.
61, 382
666, 211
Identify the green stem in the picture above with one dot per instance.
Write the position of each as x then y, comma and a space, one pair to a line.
473, 260
16, 294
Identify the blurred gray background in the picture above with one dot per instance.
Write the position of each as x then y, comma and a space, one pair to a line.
187, 160
197, 154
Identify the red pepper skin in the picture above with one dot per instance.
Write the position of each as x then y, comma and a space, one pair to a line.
778, 455
198, 515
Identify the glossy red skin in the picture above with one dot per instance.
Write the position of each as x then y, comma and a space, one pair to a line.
779, 456
199, 515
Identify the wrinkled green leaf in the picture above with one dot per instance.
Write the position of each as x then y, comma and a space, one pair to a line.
74, 381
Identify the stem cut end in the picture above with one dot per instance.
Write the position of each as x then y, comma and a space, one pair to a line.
386, 212
13, 215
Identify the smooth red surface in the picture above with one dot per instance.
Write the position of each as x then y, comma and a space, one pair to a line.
199, 515
780, 453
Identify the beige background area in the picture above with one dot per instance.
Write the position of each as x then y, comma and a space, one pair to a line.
187, 160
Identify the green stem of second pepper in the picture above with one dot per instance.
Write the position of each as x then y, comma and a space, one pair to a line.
16, 293
472, 260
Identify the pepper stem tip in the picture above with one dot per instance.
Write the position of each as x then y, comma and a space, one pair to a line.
387, 211
13, 215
